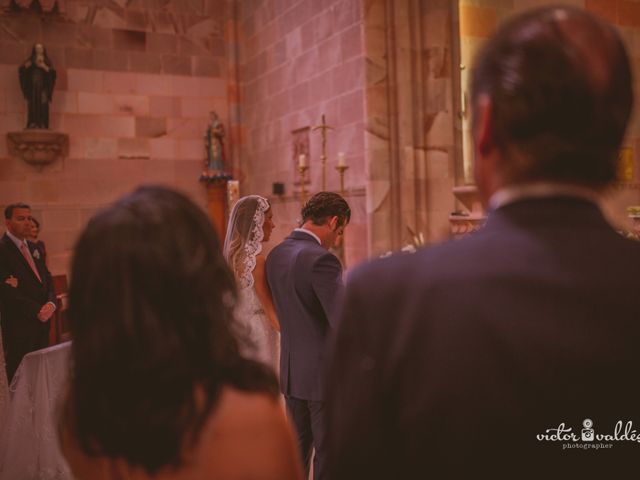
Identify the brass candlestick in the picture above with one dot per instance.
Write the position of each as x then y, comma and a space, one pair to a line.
303, 194
341, 169
323, 127
339, 249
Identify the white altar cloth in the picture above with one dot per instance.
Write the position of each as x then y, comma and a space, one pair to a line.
29, 446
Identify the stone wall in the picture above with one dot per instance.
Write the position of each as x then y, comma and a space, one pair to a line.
381, 72
136, 80
409, 144
300, 59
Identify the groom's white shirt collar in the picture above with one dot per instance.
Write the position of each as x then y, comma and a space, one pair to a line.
308, 232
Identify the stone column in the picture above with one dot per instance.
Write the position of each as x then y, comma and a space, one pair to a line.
409, 139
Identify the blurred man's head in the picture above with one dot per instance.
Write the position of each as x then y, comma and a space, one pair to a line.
17, 217
552, 95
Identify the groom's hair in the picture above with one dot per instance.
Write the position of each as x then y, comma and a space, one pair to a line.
324, 205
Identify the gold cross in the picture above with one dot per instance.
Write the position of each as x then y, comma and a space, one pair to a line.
323, 127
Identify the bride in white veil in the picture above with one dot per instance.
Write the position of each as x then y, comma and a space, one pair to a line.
249, 226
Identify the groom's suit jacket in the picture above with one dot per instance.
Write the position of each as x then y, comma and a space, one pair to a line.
22, 332
306, 281
454, 359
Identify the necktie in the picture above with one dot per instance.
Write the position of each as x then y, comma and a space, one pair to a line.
29, 259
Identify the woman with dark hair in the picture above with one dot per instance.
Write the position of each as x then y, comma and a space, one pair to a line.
33, 238
159, 389
37, 79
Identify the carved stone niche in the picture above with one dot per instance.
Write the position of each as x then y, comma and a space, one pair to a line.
38, 147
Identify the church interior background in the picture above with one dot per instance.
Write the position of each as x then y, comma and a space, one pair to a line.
137, 80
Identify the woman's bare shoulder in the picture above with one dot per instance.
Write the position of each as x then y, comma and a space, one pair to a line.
248, 436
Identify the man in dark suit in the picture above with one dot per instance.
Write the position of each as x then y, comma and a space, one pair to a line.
27, 299
306, 280
515, 349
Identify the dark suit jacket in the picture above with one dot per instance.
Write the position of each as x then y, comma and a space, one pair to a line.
21, 330
305, 280
452, 360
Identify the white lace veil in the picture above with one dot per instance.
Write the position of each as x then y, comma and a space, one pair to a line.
244, 237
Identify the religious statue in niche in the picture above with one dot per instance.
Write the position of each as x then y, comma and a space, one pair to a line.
214, 144
37, 79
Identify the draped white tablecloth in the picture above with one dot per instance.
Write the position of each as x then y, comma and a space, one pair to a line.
29, 446
4, 387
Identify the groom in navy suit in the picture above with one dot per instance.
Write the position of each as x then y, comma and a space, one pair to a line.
27, 299
306, 282
514, 351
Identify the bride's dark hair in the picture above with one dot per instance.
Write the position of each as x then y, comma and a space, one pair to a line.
150, 309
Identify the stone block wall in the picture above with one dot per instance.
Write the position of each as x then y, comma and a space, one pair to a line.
300, 59
136, 80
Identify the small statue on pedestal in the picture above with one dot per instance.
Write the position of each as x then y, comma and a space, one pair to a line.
36, 144
214, 143
37, 79
213, 172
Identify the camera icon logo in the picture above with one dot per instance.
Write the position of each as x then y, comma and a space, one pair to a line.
588, 434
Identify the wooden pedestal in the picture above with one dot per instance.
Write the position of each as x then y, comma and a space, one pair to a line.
217, 206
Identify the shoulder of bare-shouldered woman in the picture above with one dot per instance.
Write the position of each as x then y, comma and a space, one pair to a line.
248, 436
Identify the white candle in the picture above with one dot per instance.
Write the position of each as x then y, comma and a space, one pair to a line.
302, 160
341, 160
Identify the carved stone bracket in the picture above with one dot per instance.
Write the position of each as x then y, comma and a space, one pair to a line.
38, 147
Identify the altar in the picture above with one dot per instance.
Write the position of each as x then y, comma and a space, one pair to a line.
29, 448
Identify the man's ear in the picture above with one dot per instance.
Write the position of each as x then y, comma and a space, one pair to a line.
333, 223
485, 161
483, 125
